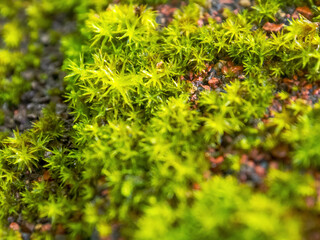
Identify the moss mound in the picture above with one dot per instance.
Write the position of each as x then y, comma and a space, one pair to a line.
174, 120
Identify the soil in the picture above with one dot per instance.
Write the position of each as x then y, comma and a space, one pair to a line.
46, 82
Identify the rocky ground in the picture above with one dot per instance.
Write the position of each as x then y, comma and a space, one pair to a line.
46, 81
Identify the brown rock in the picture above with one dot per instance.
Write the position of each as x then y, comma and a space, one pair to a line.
281, 151
46, 227
272, 27
14, 226
224, 70
260, 171
245, 3
206, 87
305, 11
46, 175
236, 69
217, 160
226, 1
213, 81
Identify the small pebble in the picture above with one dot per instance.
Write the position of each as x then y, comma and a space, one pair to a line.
245, 3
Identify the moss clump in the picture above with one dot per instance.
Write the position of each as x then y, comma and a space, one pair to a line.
230, 206
160, 116
303, 135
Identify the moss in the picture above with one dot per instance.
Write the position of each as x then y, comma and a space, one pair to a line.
230, 206
159, 117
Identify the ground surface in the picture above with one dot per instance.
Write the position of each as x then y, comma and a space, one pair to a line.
48, 88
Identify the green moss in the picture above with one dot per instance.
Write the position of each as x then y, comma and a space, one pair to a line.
290, 187
220, 207
141, 145
304, 137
